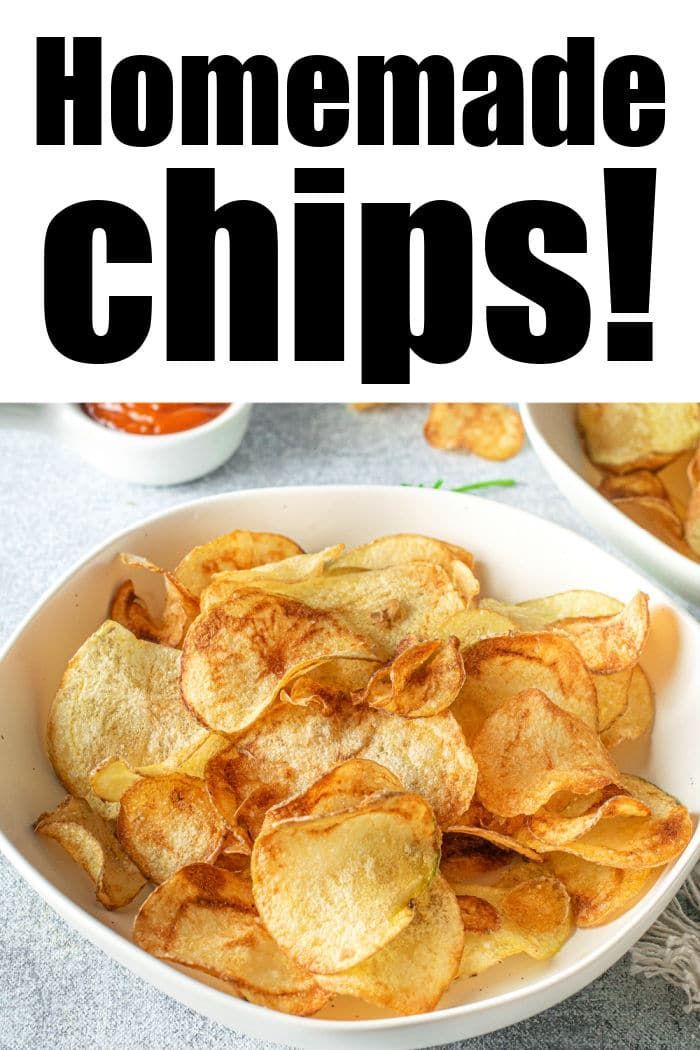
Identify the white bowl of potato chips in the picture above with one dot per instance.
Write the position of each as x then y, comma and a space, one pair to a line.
633, 471
397, 767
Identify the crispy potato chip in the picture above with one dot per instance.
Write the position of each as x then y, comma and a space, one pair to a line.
638, 483
598, 895
538, 613
238, 656
240, 549
205, 917
496, 838
465, 857
112, 777
610, 643
638, 715
167, 822
493, 431
472, 625
289, 570
290, 747
496, 668
130, 611
624, 437
530, 748
423, 679
119, 697
334, 888
532, 915
410, 974
635, 841
384, 605
556, 826
612, 692
658, 517
91, 843
692, 521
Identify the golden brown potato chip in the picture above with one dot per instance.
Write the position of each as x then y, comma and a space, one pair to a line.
493, 431
205, 917
598, 895
91, 843
238, 656
610, 643
636, 841
638, 483
423, 679
130, 611
387, 606
341, 788
499, 667
290, 747
382, 553
521, 912
612, 692
530, 748
692, 521
538, 613
638, 715
498, 839
465, 857
560, 824
472, 625
119, 697
410, 974
112, 777
658, 517
334, 888
240, 549
624, 437
166, 822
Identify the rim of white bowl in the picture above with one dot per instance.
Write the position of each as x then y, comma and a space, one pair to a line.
658, 896
235, 409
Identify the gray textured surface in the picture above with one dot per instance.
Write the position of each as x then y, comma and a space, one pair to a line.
56, 990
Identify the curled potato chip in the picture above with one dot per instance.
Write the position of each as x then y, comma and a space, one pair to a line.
130, 611
91, 843
422, 680
658, 517
598, 894
410, 974
638, 483
612, 691
560, 825
334, 888
384, 605
610, 643
498, 839
496, 668
166, 822
238, 656
493, 431
296, 569
290, 747
623, 437
205, 917
521, 912
535, 614
465, 857
112, 777
473, 625
635, 841
638, 715
530, 748
119, 697
239, 549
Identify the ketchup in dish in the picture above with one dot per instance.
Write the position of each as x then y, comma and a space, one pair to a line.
153, 417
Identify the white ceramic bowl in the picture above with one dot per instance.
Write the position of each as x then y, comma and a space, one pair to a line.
519, 556
552, 431
162, 459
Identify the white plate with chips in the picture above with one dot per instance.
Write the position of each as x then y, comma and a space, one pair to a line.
552, 430
518, 556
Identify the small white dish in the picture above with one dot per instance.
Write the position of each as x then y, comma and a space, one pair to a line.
518, 556
552, 431
163, 459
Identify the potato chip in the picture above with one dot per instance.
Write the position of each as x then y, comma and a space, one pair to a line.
538, 613
693, 470
384, 605
598, 895
692, 521
493, 431
472, 625
612, 692
496, 668
423, 679
496, 838
119, 697
658, 517
91, 843
610, 643
410, 974
130, 611
530, 748
112, 777
638, 483
556, 826
638, 715
166, 822
290, 747
624, 437
240, 549
636, 841
520, 913
288, 570
205, 917
464, 857
335, 888
238, 656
